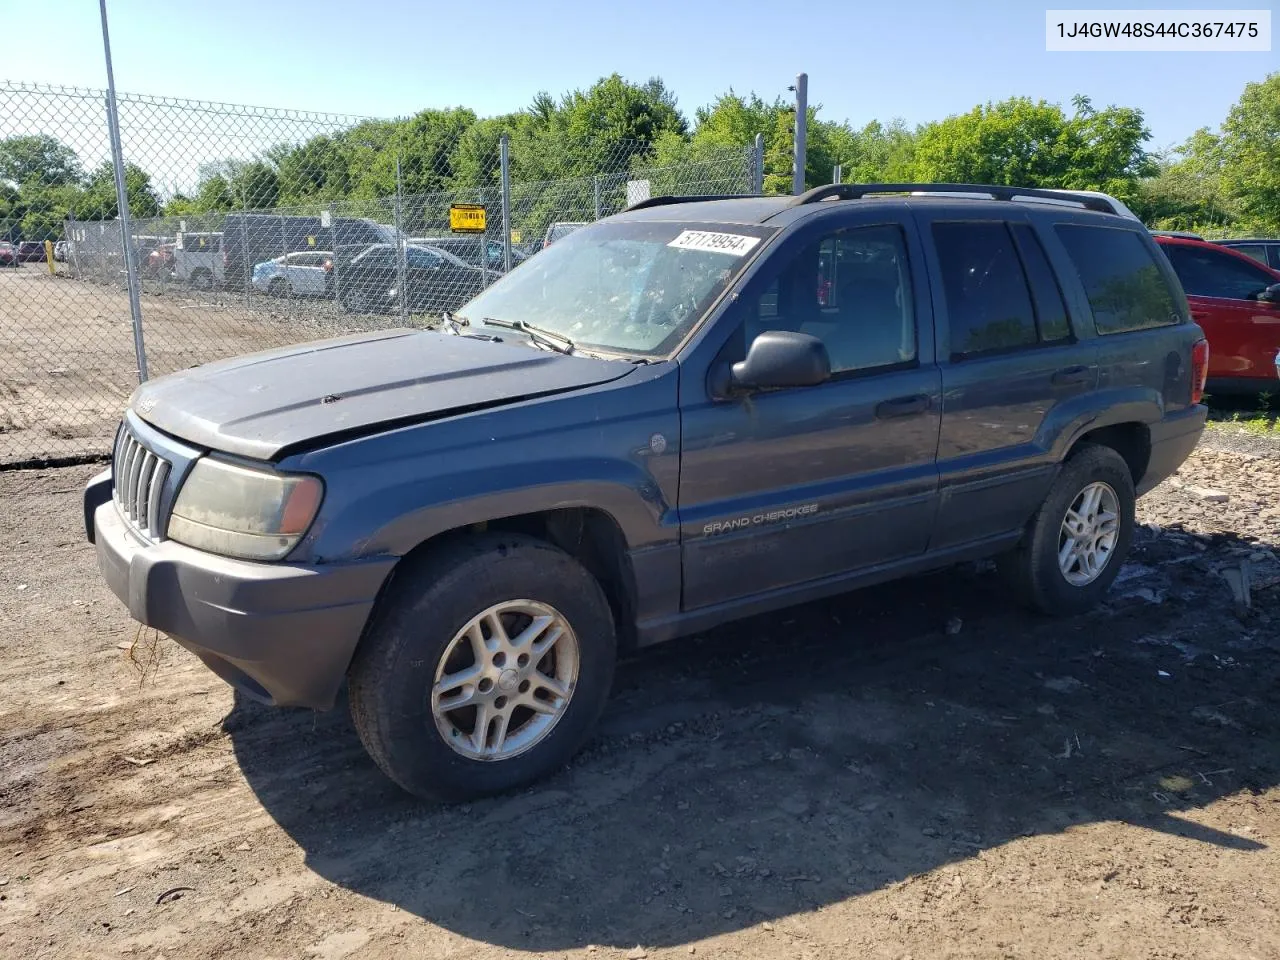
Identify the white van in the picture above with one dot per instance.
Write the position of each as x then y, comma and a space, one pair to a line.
198, 259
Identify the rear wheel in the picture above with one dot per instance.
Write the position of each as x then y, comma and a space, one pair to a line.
202, 279
355, 300
486, 667
1078, 539
278, 287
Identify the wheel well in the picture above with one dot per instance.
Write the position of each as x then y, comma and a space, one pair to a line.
1131, 440
590, 536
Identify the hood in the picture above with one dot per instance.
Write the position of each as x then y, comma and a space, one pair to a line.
262, 404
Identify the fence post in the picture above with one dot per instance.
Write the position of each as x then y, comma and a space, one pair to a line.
802, 128
122, 201
402, 272
595, 181
837, 173
504, 164
757, 165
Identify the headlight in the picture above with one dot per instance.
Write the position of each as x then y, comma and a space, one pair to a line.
242, 512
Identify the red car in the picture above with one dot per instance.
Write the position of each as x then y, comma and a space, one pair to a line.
8, 254
1236, 301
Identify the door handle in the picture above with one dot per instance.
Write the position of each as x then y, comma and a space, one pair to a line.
902, 407
1070, 375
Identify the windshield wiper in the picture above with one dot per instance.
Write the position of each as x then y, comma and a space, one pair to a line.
547, 338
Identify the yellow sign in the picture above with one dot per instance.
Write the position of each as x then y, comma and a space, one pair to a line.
311, 241
467, 218
515, 236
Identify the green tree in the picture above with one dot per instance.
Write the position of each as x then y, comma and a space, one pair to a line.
39, 158
1022, 142
98, 201
1250, 146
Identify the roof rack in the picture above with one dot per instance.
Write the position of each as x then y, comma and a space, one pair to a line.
664, 201
856, 191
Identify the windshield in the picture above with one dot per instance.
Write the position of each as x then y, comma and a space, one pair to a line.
630, 287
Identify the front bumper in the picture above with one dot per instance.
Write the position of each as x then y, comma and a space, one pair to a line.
280, 633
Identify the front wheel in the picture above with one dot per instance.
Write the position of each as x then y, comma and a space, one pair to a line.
486, 668
1075, 544
355, 300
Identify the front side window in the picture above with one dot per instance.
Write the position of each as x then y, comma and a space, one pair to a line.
1125, 287
634, 287
1210, 273
988, 303
851, 290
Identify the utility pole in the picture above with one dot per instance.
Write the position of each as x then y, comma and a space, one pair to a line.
801, 89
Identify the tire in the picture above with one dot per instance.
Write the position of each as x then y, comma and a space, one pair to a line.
355, 301
418, 632
202, 279
279, 287
1033, 568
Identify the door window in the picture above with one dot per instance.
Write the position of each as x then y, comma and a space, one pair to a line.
851, 290
988, 302
1210, 273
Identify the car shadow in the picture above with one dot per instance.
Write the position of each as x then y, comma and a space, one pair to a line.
805, 757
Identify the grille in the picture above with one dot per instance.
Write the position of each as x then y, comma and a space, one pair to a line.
138, 479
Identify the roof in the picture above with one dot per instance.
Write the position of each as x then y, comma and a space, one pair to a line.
787, 209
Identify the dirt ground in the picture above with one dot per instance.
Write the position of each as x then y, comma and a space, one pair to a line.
67, 361
917, 770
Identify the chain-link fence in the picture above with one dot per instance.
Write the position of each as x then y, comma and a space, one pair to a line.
253, 228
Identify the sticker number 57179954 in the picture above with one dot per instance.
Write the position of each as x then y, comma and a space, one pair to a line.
733, 244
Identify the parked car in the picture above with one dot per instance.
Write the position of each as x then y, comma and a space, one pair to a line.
9, 255
649, 429
559, 230
435, 280
1265, 251
31, 251
296, 275
160, 262
1236, 300
467, 249
60, 251
251, 238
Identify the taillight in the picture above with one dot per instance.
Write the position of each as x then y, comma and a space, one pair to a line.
1199, 369
328, 266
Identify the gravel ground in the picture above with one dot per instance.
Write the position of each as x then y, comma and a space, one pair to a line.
914, 770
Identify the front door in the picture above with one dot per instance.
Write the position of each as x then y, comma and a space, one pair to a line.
783, 488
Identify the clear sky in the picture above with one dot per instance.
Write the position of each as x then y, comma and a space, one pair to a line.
919, 61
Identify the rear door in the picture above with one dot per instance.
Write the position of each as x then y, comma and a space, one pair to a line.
783, 488
1009, 360
1222, 290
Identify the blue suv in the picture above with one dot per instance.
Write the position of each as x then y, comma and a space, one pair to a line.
691, 412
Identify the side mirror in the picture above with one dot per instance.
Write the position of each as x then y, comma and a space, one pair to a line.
1271, 294
782, 358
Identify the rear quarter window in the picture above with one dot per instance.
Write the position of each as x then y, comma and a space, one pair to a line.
1124, 284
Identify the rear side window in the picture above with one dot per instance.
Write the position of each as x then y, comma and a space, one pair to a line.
1125, 287
988, 303
1212, 273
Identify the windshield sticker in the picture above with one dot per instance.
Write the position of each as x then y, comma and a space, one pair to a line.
734, 244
